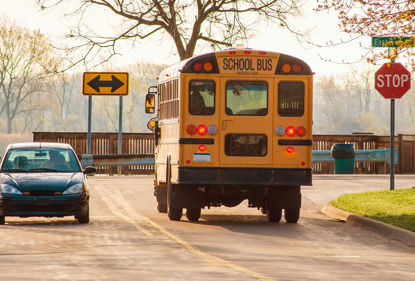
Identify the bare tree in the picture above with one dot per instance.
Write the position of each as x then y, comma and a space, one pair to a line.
146, 72
358, 83
25, 58
216, 22
346, 103
61, 86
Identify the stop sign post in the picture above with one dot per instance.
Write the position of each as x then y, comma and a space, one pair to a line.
392, 81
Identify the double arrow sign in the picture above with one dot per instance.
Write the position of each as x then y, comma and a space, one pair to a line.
105, 84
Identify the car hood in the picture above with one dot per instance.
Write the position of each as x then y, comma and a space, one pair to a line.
42, 181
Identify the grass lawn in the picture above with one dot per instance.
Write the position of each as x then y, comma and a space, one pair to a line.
396, 207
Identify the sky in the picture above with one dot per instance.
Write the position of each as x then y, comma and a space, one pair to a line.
322, 28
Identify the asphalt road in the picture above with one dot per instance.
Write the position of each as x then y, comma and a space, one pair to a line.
127, 239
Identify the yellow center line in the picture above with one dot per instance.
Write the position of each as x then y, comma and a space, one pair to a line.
118, 213
205, 256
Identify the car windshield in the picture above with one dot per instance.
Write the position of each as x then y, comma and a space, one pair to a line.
40, 160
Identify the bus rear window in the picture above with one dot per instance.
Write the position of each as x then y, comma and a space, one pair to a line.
246, 145
247, 98
202, 97
291, 99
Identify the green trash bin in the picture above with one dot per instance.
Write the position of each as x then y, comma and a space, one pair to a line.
343, 155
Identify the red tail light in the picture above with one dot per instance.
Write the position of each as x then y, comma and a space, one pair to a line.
290, 131
290, 149
301, 131
191, 129
201, 130
202, 147
297, 68
197, 66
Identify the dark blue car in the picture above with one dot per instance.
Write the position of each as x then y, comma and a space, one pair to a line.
45, 180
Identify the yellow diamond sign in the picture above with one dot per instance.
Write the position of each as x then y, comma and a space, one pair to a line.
105, 84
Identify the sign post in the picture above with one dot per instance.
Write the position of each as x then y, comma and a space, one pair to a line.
392, 81
89, 124
105, 84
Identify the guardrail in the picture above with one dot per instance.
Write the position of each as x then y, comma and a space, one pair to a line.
120, 163
373, 155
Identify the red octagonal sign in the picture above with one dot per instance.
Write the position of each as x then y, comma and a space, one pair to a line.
392, 80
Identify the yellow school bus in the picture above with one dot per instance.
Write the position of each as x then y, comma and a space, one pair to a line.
233, 125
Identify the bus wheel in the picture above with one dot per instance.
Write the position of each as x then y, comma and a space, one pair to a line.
292, 215
174, 214
161, 196
193, 214
162, 207
274, 215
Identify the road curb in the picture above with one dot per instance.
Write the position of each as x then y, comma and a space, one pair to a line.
387, 230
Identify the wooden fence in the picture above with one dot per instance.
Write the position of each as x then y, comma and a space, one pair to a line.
143, 143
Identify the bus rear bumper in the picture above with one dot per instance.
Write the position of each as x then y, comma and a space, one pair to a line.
244, 176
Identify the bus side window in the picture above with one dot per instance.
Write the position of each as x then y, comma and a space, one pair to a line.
202, 97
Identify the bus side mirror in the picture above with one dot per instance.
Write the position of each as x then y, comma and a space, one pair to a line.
151, 124
150, 103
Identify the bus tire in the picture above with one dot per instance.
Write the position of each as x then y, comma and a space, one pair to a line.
193, 214
274, 215
2, 220
161, 207
160, 191
174, 214
292, 215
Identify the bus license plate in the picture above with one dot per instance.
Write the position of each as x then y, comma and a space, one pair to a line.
201, 157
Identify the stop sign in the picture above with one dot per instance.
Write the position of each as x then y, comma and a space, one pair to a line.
392, 80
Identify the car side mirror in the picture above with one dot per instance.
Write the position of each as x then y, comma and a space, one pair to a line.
90, 170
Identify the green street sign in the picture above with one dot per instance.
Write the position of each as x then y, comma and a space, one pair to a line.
393, 42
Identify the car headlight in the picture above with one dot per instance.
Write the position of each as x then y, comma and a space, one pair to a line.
76, 188
8, 189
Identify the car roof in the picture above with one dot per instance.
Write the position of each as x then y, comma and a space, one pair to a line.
39, 145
